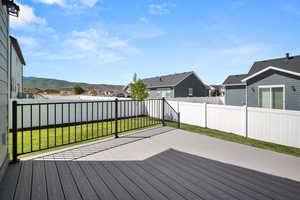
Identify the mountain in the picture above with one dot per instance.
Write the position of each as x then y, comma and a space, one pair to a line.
45, 83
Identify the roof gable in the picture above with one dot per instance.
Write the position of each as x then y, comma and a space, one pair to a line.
17, 47
289, 64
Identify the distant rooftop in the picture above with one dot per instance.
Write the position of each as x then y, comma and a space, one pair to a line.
170, 80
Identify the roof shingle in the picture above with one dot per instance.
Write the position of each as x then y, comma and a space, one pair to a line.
170, 80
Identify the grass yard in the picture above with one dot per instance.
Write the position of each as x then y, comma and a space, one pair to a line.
67, 136
239, 139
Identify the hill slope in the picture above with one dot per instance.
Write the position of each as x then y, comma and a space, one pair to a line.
45, 83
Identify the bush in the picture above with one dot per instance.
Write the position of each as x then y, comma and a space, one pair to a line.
78, 89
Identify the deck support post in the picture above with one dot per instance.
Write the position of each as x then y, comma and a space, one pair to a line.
14, 132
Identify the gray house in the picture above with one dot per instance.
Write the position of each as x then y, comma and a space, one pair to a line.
271, 83
186, 84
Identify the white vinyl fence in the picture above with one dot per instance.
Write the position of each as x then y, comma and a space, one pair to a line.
277, 126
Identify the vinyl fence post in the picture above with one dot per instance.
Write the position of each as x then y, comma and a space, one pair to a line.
163, 111
246, 121
205, 115
116, 118
14, 132
178, 120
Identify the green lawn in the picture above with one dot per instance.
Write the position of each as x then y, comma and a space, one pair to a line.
239, 139
80, 134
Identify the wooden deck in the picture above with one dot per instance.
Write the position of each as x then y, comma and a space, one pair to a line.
168, 175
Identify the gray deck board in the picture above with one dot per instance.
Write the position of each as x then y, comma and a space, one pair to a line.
197, 172
147, 188
54, 187
167, 175
23, 190
112, 183
67, 181
99, 185
242, 176
11, 180
85, 188
132, 188
39, 181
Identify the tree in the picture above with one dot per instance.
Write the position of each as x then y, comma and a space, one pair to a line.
138, 88
93, 92
78, 89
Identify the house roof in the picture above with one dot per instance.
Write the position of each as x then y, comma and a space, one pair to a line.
288, 64
291, 63
16, 45
170, 80
235, 79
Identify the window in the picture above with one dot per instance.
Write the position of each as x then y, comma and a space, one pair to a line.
271, 97
190, 92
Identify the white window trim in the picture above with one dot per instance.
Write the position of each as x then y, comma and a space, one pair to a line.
270, 87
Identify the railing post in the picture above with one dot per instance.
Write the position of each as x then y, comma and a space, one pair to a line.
163, 111
178, 120
14, 132
116, 118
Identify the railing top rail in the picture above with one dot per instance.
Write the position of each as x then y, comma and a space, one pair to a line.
79, 102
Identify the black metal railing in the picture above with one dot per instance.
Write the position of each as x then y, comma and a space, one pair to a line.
45, 125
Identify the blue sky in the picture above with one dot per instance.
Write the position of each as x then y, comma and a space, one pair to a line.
106, 41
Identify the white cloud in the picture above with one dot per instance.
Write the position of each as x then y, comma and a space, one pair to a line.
70, 3
26, 18
59, 2
160, 9
27, 41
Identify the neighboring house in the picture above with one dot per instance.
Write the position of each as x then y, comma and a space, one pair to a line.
271, 83
15, 72
186, 84
216, 90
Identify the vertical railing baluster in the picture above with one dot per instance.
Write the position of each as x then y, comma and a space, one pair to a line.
163, 111
81, 121
87, 117
102, 119
107, 117
97, 118
62, 123
92, 119
30, 128
116, 118
47, 113
22, 126
55, 143
69, 123
75, 120
40, 140
111, 117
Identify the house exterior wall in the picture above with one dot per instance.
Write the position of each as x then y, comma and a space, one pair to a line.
15, 73
3, 83
199, 89
235, 95
161, 92
292, 98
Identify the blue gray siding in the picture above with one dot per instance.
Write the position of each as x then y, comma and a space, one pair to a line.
199, 89
292, 98
235, 95
3, 83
